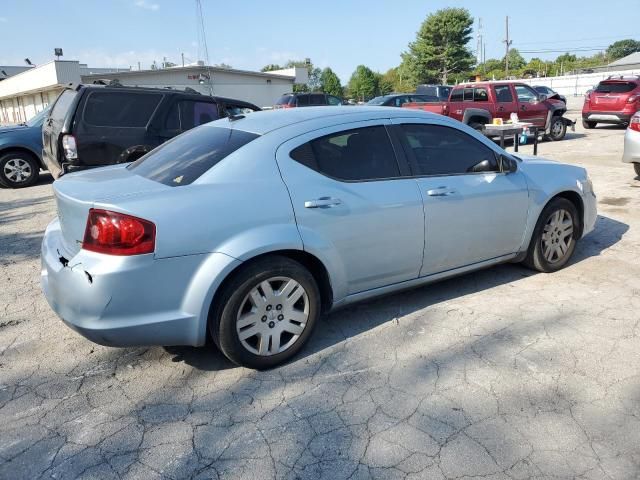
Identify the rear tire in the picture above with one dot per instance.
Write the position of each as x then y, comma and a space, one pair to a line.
589, 125
273, 321
636, 167
554, 237
557, 129
18, 170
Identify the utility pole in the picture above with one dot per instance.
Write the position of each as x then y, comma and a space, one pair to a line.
479, 42
182, 54
507, 43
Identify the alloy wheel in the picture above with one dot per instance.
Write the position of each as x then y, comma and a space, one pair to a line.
17, 170
557, 236
272, 316
556, 128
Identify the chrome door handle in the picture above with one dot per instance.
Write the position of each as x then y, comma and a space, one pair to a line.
441, 192
322, 202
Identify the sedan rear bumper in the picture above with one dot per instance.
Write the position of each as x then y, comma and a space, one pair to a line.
126, 301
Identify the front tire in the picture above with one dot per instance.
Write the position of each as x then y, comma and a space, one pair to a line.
18, 170
636, 167
557, 129
265, 313
554, 237
588, 125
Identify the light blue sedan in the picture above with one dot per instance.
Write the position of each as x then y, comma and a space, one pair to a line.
246, 229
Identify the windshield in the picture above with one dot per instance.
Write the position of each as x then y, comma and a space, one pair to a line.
38, 119
377, 100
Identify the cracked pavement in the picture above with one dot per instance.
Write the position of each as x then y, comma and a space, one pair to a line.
500, 374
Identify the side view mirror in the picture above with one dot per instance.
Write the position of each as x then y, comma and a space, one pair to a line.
542, 97
483, 166
509, 165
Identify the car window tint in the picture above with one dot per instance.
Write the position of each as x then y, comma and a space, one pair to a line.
456, 95
285, 100
62, 104
480, 95
185, 158
503, 93
358, 154
303, 100
467, 95
120, 109
317, 99
401, 100
525, 94
172, 122
615, 87
333, 100
442, 150
444, 92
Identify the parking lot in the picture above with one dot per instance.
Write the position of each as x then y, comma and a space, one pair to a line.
500, 374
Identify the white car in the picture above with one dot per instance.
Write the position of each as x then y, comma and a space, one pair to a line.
632, 143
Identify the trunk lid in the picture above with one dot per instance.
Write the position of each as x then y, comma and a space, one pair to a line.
611, 95
54, 123
76, 193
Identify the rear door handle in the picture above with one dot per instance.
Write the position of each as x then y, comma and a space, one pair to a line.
323, 202
441, 192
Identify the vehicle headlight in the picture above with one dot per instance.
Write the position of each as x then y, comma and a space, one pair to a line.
585, 185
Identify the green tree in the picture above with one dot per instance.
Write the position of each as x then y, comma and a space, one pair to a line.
363, 84
384, 85
330, 83
271, 67
622, 48
516, 61
440, 48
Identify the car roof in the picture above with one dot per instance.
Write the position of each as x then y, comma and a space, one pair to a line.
267, 121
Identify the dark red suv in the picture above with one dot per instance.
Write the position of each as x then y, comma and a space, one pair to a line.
613, 101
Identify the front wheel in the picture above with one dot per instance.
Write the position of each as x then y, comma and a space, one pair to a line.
557, 129
18, 170
636, 167
554, 237
266, 313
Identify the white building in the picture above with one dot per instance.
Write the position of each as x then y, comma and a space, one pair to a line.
259, 88
24, 94
30, 91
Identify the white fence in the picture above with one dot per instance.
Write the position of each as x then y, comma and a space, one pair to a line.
575, 84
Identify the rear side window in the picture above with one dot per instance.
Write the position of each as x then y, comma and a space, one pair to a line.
317, 100
615, 87
184, 159
480, 95
441, 150
120, 109
351, 155
186, 114
62, 105
456, 95
303, 100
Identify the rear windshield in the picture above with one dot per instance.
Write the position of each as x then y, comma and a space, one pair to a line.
120, 109
62, 104
184, 159
284, 100
615, 87
378, 100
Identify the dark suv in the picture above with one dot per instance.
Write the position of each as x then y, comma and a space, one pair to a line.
291, 100
92, 125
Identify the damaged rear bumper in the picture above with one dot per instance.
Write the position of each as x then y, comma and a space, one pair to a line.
121, 301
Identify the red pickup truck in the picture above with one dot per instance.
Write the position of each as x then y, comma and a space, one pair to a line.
477, 104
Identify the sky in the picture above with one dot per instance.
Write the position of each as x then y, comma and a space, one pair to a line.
248, 34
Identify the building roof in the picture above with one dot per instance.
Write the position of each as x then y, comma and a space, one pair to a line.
7, 71
632, 59
190, 68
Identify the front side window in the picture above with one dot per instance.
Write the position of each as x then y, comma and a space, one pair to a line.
120, 109
351, 155
187, 114
286, 100
503, 94
184, 159
439, 150
333, 100
526, 94
399, 101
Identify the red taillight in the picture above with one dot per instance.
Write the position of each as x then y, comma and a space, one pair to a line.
116, 233
633, 98
634, 124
